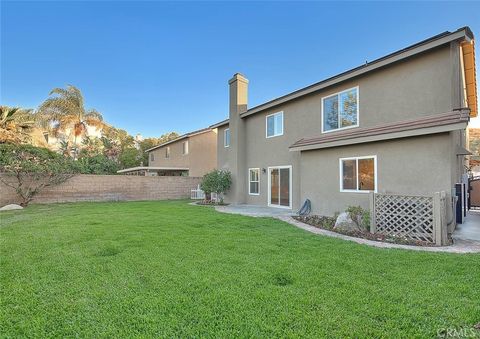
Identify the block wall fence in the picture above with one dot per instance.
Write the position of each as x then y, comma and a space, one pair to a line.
86, 187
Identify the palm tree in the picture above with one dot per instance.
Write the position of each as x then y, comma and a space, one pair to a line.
64, 111
15, 124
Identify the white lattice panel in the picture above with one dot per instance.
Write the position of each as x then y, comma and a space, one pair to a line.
407, 216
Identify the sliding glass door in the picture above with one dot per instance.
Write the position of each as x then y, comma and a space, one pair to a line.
279, 181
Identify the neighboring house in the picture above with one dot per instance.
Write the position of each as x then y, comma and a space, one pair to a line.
193, 154
393, 125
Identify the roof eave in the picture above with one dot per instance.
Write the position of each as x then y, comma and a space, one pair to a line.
220, 124
166, 143
152, 168
185, 136
386, 136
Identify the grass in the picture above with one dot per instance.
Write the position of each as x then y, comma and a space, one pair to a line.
173, 270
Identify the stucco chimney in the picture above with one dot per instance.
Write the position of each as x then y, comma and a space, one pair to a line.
237, 155
238, 93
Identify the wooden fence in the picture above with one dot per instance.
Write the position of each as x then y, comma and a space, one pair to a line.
421, 218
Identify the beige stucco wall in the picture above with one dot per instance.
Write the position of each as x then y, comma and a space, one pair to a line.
222, 151
418, 87
416, 166
201, 157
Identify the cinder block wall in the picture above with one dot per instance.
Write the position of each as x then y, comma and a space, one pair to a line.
85, 187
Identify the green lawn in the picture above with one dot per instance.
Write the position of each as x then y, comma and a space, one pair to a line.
174, 270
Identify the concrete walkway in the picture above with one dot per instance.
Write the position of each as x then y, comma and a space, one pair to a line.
460, 245
470, 229
255, 211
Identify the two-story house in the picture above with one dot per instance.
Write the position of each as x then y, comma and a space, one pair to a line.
393, 125
192, 154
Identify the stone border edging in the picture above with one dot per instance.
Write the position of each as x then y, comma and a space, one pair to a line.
459, 246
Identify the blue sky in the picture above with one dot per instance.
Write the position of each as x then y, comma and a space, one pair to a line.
153, 67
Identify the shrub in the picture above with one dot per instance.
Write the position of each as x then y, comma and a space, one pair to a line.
98, 164
217, 181
28, 169
360, 216
130, 157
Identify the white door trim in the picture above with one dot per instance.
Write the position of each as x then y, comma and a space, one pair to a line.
289, 190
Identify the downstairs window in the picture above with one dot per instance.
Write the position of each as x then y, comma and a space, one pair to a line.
254, 181
358, 174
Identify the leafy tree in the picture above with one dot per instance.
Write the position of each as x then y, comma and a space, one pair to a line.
152, 142
91, 146
28, 169
143, 146
119, 137
119, 145
98, 164
64, 112
216, 181
129, 158
111, 149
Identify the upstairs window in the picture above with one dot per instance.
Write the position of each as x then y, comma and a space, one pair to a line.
274, 124
358, 174
185, 147
254, 181
226, 137
167, 152
152, 156
340, 110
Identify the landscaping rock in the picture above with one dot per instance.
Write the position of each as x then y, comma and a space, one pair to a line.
345, 223
11, 207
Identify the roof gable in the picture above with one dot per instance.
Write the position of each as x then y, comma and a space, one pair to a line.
463, 33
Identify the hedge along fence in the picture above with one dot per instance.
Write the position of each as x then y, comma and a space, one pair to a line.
90, 187
421, 218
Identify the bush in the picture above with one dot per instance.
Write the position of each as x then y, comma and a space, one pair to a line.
217, 181
360, 216
9, 152
130, 157
98, 164
29, 169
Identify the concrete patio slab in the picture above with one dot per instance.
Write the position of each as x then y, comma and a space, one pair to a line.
255, 211
460, 245
470, 229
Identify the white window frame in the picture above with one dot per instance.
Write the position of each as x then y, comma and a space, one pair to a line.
266, 125
249, 180
338, 94
270, 188
225, 137
167, 152
185, 147
340, 165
